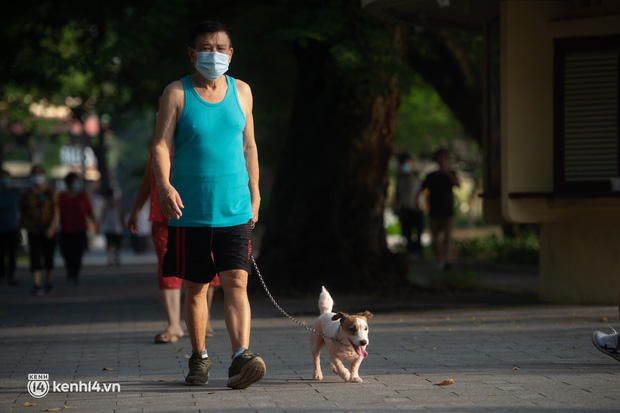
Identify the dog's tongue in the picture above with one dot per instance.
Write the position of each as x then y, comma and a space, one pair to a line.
361, 351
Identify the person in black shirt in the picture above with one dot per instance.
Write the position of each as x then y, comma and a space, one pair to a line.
441, 206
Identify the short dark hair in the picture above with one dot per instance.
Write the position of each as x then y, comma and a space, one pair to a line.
206, 27
403, 157
36, 167
108, 193
440, 152
71, 176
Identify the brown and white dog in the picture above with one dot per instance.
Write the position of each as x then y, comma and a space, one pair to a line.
352, 334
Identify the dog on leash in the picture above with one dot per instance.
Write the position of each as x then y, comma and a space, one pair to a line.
351, 332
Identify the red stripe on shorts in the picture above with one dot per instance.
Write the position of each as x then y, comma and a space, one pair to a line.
248, 228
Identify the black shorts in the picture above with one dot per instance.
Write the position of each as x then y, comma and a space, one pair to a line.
41, 249
113, 240
199, 253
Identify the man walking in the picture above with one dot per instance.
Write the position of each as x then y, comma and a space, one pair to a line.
211, 195
441, 206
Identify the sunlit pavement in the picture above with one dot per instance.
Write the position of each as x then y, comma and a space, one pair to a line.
502, 358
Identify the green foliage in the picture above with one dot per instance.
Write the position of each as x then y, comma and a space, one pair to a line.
103, 58
16, 154
393, 228
451, 62
521, 250
360, 46
424, 121
100, 51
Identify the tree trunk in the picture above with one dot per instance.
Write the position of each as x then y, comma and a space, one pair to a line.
101, 151
325, 223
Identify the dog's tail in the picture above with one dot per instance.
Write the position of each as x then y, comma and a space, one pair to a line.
326, 303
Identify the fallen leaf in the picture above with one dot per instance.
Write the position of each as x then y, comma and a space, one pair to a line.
211, 392
186, 356
28, 404
516, 368
108, 368
445, 383
53, 409
179, 350
70, 407
604, 319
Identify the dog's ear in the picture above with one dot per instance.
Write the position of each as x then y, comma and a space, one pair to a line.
338, 316
367, 314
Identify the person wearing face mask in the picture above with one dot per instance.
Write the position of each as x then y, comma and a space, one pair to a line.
210, 193
9, 205
407, 205
39, 216
112, 225
75, 211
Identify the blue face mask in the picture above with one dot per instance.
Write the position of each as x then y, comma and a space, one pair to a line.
212, 65
77, 186
38, 179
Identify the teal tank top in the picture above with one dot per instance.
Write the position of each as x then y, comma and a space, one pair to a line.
208, 165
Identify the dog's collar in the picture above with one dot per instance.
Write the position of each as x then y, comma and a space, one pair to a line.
336, 338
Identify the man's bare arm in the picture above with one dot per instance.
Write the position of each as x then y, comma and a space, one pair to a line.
169, 112
250, 149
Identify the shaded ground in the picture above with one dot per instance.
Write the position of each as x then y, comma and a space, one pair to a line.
502, 358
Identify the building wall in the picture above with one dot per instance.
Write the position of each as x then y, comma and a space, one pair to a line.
527, 106
580, 260
580, 241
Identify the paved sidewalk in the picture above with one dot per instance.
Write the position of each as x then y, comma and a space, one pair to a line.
525, 358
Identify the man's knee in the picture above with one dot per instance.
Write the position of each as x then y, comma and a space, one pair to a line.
234, 279
194, 289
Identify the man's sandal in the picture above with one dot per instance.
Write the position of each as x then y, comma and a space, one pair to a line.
166, 337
